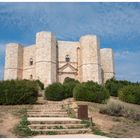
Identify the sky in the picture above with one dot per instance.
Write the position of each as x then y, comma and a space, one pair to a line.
117, 25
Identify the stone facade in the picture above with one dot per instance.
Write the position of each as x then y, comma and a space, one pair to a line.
51, 60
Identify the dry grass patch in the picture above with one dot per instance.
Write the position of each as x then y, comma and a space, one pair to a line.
112, 126
120, 110
10, 116
126, 128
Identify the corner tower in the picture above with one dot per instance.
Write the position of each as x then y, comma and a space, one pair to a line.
90, 68
13, 61
107, 62
45, 57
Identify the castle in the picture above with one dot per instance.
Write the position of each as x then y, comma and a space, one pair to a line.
51, 60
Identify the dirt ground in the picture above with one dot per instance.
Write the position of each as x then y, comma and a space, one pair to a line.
9, 118
7, 124
112, 126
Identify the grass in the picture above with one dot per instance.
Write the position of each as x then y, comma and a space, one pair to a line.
97, 131
126, 128
51, 133
119, 110
70, 111
87, 123
94, 128
22, 129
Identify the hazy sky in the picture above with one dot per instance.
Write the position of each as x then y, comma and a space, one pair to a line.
116, 24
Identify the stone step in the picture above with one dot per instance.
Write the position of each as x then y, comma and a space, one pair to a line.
62, 131
53, 120
47, 105
54, 126
47, 115
46, 110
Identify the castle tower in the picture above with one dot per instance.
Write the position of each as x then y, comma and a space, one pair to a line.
107, 62
90, 59
45, 57
13, 61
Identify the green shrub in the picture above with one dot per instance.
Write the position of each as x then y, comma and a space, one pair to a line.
90, 91
114, 85
18, 92
55, 92
68, 79
130, 94
22, 129
40, 84
69, 84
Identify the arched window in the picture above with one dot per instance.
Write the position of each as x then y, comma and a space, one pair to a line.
67, 58
31, 61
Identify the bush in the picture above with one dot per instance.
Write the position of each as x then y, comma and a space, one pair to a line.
68, 79
18, 92
90, 91
113, 109
40, 84
118, 109
55, 92
114, 85
69, 84
130, 94
22, 129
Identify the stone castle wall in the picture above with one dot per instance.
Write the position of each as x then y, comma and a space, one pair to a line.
90, 59
86, 60
28, 70
67, 48
107, 61
13, 61
45, 57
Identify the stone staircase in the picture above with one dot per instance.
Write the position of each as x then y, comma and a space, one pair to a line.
51, 119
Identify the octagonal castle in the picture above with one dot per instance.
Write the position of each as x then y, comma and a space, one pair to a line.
51, 60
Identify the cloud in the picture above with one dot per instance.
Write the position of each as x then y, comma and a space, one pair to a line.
127, 65
108, 20
117, 25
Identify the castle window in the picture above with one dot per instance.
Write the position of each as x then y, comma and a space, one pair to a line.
31, 61
67, 58
31, 77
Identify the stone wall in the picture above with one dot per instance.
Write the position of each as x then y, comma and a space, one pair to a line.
107, 62
90, 59
87, 60
28, 70
67, 48
45, 57
13, 61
